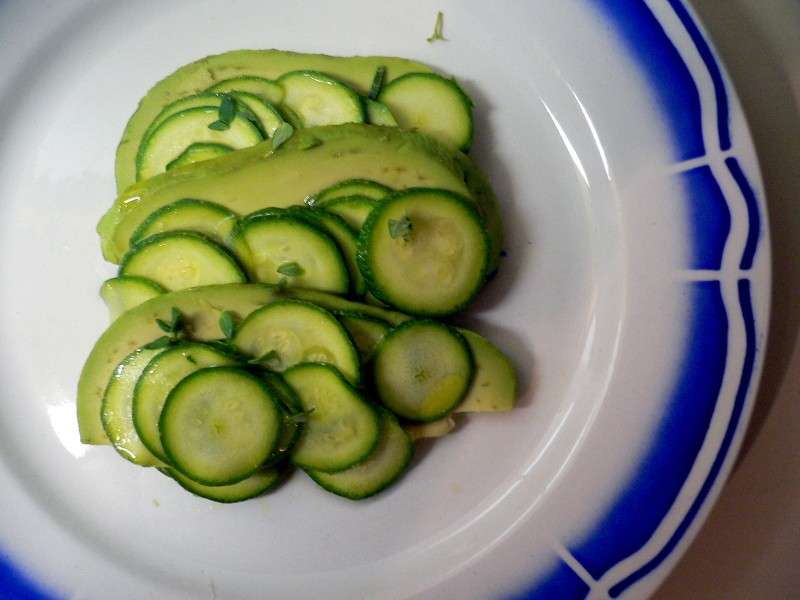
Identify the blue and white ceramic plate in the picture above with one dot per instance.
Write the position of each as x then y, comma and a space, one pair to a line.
634, 301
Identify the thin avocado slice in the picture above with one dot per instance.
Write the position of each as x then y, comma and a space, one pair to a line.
121, 294
201, 309
430, 430
494, 386
311, 160
356, 71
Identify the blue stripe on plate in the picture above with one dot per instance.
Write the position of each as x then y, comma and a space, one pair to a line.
709, 218
16, 585
753, 217
723, 125
559, 582
648, 496
738, 409
668, 76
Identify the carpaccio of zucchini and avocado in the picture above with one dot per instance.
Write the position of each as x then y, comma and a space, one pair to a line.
291, 230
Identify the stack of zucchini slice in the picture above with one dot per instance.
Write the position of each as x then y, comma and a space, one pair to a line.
288, 238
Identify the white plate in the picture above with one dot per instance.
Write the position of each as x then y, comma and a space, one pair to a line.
633, 299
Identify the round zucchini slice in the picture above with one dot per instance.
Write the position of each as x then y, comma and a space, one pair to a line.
212, 220
431, 104
198, 153
116, 411
181, 259
382, 468
353, 209
275, 246
158, 378
288, 332
219, 425
379, 114
317, 99
351, 187
423, 370
266, 89
191, 126
121, 294
263, 113
424, 251
258, 483
341, 429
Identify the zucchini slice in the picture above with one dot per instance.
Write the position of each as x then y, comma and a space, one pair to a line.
265, 116
191, 126
344, 237
494, 387
219, 425
289, 332
276, 246
379, 114
258, 483
180, 259
317, 99
381, 469
341, 428
422, 370
431, 104
352, 187
158, 378
265, 89
116, 410
292, 427
212, 220
123, 293
353, 209
366, 331
424, 251
195, 101
198, 153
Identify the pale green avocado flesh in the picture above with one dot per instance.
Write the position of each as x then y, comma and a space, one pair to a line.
355, 71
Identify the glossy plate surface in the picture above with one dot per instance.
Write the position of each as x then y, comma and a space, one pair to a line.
633, 299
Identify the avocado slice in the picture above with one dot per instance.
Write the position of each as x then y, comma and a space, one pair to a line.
311, 160
201, 308
355, 71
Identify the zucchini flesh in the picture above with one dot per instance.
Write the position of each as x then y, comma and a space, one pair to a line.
116, 410
158, 378
190, 126
352, 187
365, 331
494, 387
212, 220
353, 209
265, 89
267, 117
290, 332
422, 370
219, 425
206, 100
317, 99
258, 483
180, 260
381, 469
431, 104
341, 428
379, 114
266, 242
198, 153
292, 427
436, 264
121, 294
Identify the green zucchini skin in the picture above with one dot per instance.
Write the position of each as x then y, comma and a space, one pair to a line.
189, 214
348, 187
437, 364
259, 483
121, 294
404, 290
298, 85
386, 464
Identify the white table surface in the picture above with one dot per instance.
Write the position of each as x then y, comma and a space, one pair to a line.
749, 549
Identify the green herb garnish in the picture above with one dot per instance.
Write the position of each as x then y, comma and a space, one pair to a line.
161, 342
191, 359
400, 228
227, 324
219, 125
173, 329
227, 108
377, 82
438, 34
282, 133
290, 269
